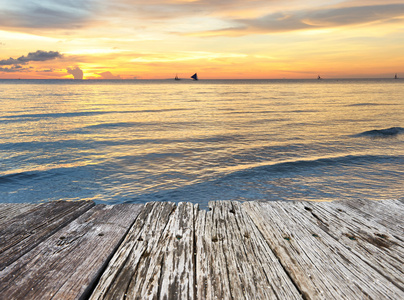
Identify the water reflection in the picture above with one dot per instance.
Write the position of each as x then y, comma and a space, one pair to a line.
183, 142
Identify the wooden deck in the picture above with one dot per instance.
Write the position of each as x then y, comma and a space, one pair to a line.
251, 250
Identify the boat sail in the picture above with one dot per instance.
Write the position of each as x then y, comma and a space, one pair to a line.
176, 77
319, 77
195, 76
395, 76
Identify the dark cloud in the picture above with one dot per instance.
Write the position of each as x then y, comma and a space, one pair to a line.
45, 71
46, 13
32, 56
13, 69
76, 72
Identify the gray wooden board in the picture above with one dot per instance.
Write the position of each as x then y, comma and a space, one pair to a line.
275, 250
25, 231
67, 264
212, 278
372, 242
11, 210
233, 260
126, 273
388, 213
321, 267
170, 272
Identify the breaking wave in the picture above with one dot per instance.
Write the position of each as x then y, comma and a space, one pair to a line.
382, 133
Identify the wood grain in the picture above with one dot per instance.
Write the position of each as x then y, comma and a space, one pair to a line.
11, 210
375, 244
252, 250
234, 261
320, 265
127, 271
169, 274
25, 231
67, 264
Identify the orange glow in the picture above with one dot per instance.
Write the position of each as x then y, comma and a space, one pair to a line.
244, 39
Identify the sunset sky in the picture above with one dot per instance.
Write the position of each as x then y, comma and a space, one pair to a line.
157, 39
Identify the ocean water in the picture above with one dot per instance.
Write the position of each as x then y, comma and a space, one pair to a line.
165, 140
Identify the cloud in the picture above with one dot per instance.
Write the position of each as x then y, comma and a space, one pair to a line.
13, 69
311, 19
45, 71
76, 72
109, 75
200, 17
46, 13
74, 14
328, 17
32, 56
171, 9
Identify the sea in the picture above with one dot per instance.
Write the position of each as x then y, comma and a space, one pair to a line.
135, 141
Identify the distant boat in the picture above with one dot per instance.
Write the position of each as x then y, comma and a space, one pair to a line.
395, 76
319, 77
176, 77
194, 77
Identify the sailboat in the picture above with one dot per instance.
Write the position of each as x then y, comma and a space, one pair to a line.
395, 76
176, 77
194, 77
319, 77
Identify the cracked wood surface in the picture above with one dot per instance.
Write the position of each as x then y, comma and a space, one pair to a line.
11, 210
318, 262
68, 263
233, 259
128, 272
251, 250
378, 245
25, 231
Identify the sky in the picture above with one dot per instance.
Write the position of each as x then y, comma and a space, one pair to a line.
234, 39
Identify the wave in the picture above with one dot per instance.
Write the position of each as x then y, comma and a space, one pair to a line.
17, 177
161, 126
119, 124
25, 117
36, 117
382, 133
60, 146
370, 104
365, 104
300, 166
55, 115
277, 181
61, 174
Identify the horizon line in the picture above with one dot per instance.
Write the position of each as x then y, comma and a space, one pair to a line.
189, 79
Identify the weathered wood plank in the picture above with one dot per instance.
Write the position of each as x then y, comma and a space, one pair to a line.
320, 266
233, 259
68, 263
388, 213
11, 210
134, 253
170, 271
337, 250
370, 241
25, 231
212, 276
